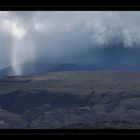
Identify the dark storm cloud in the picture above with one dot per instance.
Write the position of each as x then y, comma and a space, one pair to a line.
78, 37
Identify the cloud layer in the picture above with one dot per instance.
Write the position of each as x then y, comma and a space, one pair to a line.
69, 36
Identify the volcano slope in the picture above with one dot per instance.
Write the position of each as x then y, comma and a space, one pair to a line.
72, 99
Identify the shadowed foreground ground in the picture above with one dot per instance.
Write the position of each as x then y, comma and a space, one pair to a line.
71, 100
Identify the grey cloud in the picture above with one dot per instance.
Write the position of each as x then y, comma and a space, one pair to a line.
69, 35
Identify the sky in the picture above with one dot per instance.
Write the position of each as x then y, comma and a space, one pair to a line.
106, 38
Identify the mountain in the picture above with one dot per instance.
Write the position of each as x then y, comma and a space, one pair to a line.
71, 99
40, 68
8, 71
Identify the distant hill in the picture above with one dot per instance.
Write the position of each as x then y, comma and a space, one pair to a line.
40, 68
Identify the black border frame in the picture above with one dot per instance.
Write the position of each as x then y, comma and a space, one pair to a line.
68, 7
81, 7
